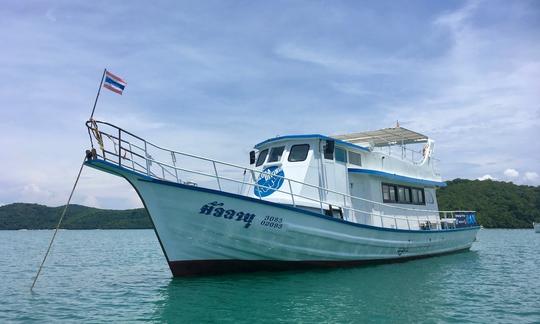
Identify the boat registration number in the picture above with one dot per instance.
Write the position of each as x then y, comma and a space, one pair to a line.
273, 222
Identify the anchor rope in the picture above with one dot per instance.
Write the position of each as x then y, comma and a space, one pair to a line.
58, 225
97, 134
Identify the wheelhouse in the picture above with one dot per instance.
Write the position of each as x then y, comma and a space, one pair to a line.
358, 170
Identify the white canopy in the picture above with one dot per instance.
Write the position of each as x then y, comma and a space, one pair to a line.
384, 137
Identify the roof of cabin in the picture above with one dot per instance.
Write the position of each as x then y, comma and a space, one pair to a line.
310, 136
384, 137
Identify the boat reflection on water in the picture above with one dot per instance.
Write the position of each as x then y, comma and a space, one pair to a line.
407, 291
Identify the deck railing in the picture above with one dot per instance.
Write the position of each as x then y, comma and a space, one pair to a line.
132, 152
407, 154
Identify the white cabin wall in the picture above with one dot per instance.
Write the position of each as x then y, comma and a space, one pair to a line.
431, 204
369, 187
311, 173
317, 171
306, 171
336, 180
361, 186
391, 164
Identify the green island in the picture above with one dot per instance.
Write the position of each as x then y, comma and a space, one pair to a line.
499, 205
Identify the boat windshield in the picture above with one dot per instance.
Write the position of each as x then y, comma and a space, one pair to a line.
262, 157
276, 153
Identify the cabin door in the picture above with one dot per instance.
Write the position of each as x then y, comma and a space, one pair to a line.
335, 176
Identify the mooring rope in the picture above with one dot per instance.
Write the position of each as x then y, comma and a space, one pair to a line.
58, 225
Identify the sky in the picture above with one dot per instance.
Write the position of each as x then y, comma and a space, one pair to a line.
216, 77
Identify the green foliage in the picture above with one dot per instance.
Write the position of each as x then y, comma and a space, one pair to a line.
499, 204
34, 216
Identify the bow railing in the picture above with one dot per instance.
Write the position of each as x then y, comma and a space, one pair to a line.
132, 152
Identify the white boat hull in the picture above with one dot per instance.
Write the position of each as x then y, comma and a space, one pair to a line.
536, 227
204, 231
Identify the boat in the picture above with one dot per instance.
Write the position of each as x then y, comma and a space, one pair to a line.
536, 227
303, 201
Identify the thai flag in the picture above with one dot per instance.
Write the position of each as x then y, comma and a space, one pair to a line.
114, 83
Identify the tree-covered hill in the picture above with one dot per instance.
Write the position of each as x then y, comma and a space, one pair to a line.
499, 204
34, 216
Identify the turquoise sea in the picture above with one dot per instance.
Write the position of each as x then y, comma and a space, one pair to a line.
122, 276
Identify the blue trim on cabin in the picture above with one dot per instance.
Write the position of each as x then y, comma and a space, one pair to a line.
315, 136
397, 177
145, 178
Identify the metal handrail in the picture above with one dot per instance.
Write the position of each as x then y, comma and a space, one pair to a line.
393, 217
93, 128
258, 171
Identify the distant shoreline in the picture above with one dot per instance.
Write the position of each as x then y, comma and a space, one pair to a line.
151, 229
24, 216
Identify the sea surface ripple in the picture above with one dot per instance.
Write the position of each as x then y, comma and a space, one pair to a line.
122, 276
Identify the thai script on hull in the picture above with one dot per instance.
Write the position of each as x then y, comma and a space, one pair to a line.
216, 209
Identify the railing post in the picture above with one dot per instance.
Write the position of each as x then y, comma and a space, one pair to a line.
131, 154
382, 223
320, 200
395, 221
408, 224
217, 176
119, 147
292, 195
174, 164
146, 159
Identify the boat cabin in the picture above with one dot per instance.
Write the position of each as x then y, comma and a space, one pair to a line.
368, 171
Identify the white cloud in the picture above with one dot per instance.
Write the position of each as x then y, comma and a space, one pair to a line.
34, 189
480, 102
511, 173
340, 62
455, 19
209, 85
486, 177
353, 88
50, 15
91, 201
530, 176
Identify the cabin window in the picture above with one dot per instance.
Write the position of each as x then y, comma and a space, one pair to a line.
262, 157
328, 155
389, 193
402, 194
275, 154
298, 153
408, 195
341, 155
385, 193
429, 197
417, 196
355, 158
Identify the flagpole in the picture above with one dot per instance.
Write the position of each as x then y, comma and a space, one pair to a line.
97, 96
